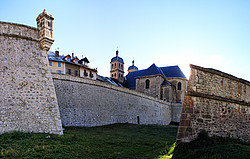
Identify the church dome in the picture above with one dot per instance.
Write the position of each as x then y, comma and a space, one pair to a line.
133, 67
117, 58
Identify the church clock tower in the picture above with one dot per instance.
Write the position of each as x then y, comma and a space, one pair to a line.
117, 68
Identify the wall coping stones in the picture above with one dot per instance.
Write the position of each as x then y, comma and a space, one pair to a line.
57, 76
220, 73
21, 25
23, 32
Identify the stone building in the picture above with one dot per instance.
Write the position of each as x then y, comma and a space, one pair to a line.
71, 65
166, 83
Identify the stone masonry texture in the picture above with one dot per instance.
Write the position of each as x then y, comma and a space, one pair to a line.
85, 102
28, 101
216, 102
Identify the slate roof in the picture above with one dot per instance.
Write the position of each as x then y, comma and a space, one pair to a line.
167, 72
52, 57
117, 58
109, 80
132, 67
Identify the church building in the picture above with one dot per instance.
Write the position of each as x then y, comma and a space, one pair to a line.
165, 83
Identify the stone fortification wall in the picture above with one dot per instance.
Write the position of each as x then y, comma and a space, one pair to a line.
216, 102
176, 109
85, 102
27, 96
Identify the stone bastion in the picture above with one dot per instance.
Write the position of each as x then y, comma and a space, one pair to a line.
216, 102
28, 100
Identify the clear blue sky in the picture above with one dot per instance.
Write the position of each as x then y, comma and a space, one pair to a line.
211, 33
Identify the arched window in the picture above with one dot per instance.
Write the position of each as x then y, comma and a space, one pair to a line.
112, 66
147, 83
179, 86
112, 75
115, 74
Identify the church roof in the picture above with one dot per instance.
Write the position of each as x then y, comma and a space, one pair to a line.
117, 58
167, 72
132, 67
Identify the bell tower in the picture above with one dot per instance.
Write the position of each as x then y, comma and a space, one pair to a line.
45, 27
117, 68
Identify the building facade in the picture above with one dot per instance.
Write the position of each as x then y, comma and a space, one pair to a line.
165, 83
71, 65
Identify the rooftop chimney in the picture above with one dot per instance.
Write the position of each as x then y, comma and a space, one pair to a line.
72, 55
57, 53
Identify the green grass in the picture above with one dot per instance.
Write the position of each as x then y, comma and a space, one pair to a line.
111, 141
215, 147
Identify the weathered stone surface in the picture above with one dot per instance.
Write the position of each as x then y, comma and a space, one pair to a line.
216, 102
28, 101
85, 102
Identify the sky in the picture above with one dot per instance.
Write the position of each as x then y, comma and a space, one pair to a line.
213, 33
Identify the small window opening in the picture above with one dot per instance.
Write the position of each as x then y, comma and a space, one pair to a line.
147, 83
179, 86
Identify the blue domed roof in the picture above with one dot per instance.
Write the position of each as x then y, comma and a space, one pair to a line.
117, 58
132, 67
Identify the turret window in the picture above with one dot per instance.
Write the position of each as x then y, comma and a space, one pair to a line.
179, 86
147, 83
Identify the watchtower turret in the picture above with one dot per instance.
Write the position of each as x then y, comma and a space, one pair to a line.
45, 27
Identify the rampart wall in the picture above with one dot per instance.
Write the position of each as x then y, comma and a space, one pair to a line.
85, 102
27, 96
216, 102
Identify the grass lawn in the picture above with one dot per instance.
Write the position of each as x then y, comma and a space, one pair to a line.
111, 141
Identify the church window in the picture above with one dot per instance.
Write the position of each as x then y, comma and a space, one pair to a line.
147, 83
115, 65
115, 74
112, 75
112, 66
179, 86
